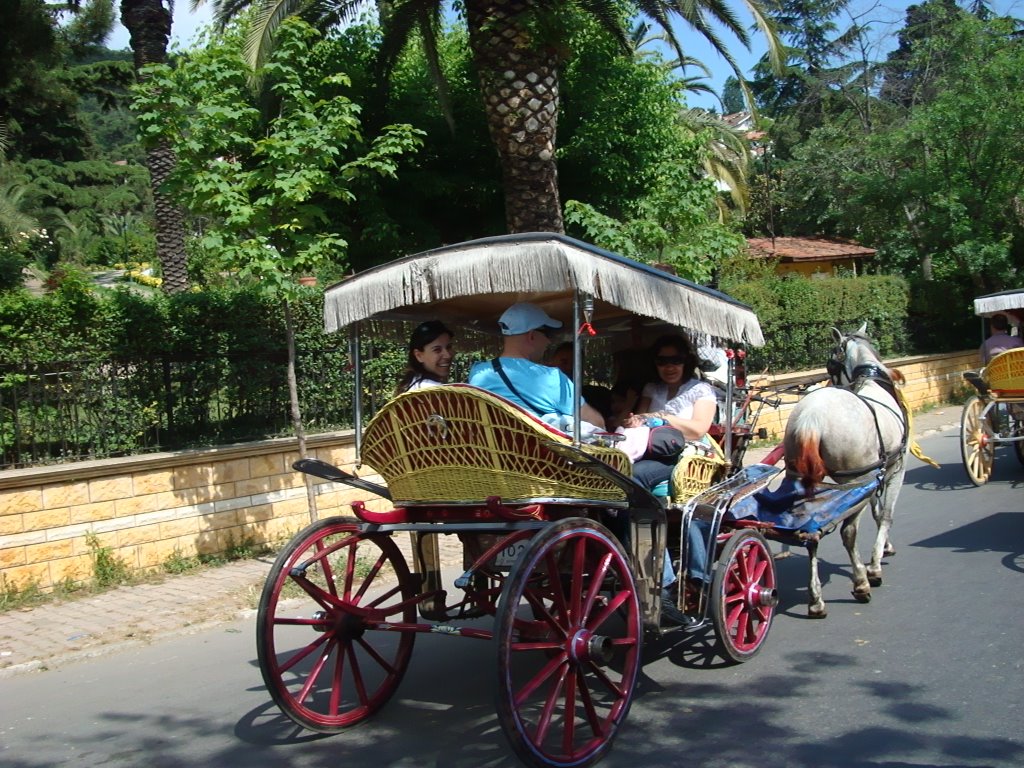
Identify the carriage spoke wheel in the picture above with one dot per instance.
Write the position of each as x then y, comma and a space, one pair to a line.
976, 444
743, 595
569, 639
323, 660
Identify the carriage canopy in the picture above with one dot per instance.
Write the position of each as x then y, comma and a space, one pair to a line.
471, 284
1005, 302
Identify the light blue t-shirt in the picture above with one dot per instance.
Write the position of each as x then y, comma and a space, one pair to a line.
547, 389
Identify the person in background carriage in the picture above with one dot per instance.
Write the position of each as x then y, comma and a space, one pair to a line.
519, 376
430, 357
1000, 339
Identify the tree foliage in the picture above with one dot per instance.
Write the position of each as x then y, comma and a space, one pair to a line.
263, 179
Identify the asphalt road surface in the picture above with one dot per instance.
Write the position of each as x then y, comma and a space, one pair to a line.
930, 673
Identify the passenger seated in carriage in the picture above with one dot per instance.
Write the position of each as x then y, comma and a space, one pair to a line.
561, 357
519, 376
430, 357
999, 339
678, 398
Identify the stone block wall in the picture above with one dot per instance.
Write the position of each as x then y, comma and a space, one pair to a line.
147, 509
930, 379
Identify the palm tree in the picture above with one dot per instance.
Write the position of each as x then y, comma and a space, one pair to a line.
149, 27
518, 47
728, 154
13, 220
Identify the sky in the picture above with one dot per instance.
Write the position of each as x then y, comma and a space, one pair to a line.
884, 18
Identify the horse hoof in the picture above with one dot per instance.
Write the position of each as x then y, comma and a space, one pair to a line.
862, 595
889, 550
875, 581
816, 612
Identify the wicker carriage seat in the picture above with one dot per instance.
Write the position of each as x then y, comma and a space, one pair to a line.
460, 444
1005, 373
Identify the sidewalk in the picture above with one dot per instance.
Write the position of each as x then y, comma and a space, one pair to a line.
48, 636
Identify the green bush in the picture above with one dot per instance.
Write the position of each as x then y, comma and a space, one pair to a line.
797, 315
11, 264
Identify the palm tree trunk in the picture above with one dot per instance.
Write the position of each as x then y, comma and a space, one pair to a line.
519, 80
149, 27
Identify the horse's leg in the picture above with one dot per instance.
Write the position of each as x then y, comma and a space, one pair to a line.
815, 605
861, 587
882, 509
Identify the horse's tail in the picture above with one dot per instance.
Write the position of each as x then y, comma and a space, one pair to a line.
806, 462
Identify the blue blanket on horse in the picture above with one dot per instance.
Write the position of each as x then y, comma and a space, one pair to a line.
787, 508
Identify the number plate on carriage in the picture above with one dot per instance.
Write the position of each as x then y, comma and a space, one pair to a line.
507, 555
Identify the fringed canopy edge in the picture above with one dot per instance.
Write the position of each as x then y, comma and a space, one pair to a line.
538, 263
999, 302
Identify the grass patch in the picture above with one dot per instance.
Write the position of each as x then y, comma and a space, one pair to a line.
14, 597
108, 570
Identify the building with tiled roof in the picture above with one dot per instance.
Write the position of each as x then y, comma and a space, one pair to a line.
810, 256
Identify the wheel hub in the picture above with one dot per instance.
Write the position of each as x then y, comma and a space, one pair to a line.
764, 596
585, 646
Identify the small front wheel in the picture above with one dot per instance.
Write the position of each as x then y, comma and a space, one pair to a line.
977, 448
569, 639
327, 657
743, 595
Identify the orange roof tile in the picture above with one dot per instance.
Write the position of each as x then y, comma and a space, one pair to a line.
790, 249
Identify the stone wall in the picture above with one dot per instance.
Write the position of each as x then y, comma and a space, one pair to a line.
930, 379
147, 509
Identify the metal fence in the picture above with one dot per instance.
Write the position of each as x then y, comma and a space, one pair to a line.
85, 409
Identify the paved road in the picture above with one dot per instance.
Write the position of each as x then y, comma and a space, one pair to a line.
929, 673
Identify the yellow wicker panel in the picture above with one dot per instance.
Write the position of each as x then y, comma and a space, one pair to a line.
1005, 372
693, 474
446, 444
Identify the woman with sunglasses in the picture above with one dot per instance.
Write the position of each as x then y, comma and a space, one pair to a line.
430, 357
683, 401
678, 398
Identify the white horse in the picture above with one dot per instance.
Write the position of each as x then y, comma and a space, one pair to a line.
847, 432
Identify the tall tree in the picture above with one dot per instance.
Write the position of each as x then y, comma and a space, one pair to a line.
149, 28
519, 48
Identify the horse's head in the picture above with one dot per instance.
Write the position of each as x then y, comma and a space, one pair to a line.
853, 357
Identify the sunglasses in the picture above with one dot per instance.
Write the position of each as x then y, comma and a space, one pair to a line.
547, 330
668, 360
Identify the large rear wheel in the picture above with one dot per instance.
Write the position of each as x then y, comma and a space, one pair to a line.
743, 595
569, 640
976, 445
324, 660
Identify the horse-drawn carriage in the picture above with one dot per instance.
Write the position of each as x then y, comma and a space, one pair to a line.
533, 508
994, 416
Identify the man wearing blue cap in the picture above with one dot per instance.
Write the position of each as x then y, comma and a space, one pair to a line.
518, 375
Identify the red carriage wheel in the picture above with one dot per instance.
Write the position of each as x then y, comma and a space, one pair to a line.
743, 595
977, 448
325, 664
569, 640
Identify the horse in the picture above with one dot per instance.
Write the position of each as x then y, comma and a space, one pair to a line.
846, 432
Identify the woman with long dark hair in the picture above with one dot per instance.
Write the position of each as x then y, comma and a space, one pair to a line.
430, 357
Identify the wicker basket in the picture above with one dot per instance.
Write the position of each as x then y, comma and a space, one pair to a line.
462, 444
1005, 373
693, 474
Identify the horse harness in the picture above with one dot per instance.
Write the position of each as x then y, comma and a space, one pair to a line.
861, 375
